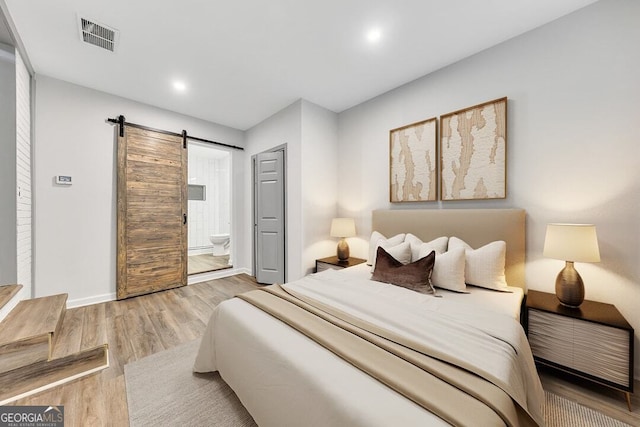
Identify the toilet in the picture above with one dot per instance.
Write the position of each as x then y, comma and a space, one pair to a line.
220, 244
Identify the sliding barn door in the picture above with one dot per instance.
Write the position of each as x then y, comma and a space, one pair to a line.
152, 207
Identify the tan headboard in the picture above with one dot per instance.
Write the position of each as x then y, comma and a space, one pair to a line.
477, 227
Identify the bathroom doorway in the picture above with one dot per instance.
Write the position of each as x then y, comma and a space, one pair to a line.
209, 207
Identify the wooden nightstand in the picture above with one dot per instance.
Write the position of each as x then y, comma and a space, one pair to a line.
333, 263
592, 341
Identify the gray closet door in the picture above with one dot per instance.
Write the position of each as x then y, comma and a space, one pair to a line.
269, 217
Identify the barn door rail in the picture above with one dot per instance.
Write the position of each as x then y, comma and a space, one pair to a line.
120, 121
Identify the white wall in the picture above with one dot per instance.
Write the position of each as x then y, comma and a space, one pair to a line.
573, 151
320, 178
284, 127
75, 226
310, 133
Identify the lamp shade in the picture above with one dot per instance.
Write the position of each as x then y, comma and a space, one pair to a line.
572, 242
343, 227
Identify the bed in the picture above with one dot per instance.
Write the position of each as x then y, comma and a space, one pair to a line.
467, 350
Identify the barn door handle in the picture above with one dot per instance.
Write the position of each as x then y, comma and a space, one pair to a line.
184, 219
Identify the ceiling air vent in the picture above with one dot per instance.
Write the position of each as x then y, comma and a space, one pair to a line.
97, 34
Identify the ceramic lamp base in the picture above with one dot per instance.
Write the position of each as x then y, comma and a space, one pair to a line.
569, 286
343, 250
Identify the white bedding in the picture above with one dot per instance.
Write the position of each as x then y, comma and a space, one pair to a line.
508, 302
283, 378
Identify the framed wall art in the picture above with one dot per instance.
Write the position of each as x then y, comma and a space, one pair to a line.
413, 159
473, 148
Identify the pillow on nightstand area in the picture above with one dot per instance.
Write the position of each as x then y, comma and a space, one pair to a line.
414, 276
484, 266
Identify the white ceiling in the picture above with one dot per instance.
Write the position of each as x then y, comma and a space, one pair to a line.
244, 60
5, 36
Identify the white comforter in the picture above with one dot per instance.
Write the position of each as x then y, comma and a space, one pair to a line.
284, 378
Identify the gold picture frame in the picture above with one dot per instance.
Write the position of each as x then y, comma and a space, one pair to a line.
413, 162
473, 152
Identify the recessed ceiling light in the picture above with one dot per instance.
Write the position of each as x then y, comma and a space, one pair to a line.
374, 35
179, 85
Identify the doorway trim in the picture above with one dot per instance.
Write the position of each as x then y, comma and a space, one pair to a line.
195, 152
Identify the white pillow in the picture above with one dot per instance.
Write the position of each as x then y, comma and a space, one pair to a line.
377, 237
401, 252
448, 270
418, 246
484, 266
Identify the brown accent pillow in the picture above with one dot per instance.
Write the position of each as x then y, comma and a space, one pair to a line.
415, 276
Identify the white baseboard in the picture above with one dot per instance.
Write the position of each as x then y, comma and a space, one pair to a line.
81, 302
218, 274
200, 251
194, 278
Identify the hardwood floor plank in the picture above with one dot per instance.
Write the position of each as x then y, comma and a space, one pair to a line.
16, 354
70, 335
115, 403
72, 403
92, 405
168, 329
143, 340
7, 292
93, 326
179, 307
38, 316
154, 303
120, 348
200, 308
43, 374
193, 330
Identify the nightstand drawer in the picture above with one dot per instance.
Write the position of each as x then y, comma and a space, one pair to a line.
601, 351
551, 337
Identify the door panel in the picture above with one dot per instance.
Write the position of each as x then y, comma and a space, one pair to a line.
269, 213
152, 202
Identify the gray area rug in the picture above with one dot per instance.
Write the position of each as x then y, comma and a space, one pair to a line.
162, 390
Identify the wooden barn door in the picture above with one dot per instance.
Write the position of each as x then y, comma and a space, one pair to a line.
152, 209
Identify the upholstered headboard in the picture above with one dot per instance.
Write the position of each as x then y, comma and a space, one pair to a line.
477, 227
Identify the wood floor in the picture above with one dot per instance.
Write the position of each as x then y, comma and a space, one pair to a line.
206, 262
7, 292
136, 328
148, 324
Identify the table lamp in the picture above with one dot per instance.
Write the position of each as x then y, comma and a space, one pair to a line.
342, 228
571, 243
